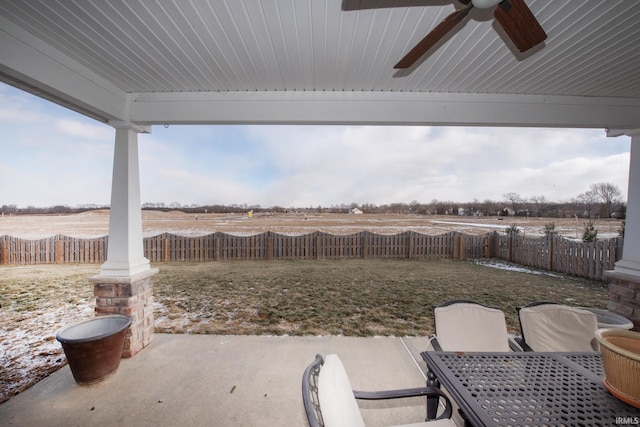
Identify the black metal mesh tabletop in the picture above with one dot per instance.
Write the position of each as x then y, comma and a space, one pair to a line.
530, 389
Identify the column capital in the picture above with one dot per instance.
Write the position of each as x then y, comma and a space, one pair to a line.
612, 133
136, 127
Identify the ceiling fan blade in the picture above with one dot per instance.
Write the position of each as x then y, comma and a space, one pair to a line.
433, 37
524, 30
349, 5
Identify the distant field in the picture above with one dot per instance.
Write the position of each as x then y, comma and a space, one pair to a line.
96, 223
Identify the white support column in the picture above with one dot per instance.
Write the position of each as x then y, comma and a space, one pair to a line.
629, 265
124, 285
125, 255
624, 279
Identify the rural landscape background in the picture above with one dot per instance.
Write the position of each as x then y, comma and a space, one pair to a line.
358, 297
95, 223
526, 214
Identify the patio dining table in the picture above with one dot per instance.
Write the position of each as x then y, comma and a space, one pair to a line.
529, 388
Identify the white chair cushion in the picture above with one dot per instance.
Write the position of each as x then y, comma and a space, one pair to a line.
556, 327
337, 403
471, 327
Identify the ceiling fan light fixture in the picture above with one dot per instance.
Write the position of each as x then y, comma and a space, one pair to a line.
485, 4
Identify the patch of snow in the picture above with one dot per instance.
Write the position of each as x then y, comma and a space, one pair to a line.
31, 344
513, 267
470, 224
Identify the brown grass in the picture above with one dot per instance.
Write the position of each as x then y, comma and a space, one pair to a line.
347, 297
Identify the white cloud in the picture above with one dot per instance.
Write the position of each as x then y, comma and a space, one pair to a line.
17, 116
80, 129
324, 165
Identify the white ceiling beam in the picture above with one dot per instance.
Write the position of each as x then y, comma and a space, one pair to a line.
384, 108
36, 67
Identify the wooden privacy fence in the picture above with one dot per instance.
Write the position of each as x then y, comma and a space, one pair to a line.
168, 247
549, 253
269, 246
55, 249
555, 253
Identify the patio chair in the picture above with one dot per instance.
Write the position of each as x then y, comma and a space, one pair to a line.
329, 400
549, 326
464, 325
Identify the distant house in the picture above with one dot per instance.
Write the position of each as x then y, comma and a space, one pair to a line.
507, 212
355, 211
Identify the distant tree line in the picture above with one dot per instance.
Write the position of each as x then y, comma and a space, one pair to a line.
50, 210
602, 200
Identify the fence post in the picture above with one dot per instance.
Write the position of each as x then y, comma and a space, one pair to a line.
165, 247
453, 238
510, 246
3, 251
454, 244
270, 242
493, 248
59, 250
316, 235
487, 246
550, 243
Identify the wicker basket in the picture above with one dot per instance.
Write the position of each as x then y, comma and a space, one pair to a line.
621, 357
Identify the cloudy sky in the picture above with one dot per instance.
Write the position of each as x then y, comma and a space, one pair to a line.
52, 156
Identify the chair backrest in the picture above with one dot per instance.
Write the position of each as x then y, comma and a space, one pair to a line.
338, 403
469, 326
558, 327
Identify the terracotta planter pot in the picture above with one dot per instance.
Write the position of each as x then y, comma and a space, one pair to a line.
94, 347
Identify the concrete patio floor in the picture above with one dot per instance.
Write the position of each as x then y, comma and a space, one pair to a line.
213, 380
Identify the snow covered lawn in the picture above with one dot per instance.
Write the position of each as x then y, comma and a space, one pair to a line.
36, 302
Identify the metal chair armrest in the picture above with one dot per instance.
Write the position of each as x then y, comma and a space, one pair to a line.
514, 343
407, 392
523, 344
434, 343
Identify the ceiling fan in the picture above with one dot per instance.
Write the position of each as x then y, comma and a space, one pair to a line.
514, 16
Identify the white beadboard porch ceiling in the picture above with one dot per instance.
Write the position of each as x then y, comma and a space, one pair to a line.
145, 48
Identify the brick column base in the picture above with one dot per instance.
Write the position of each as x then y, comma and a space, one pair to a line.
129, 296
624, 297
